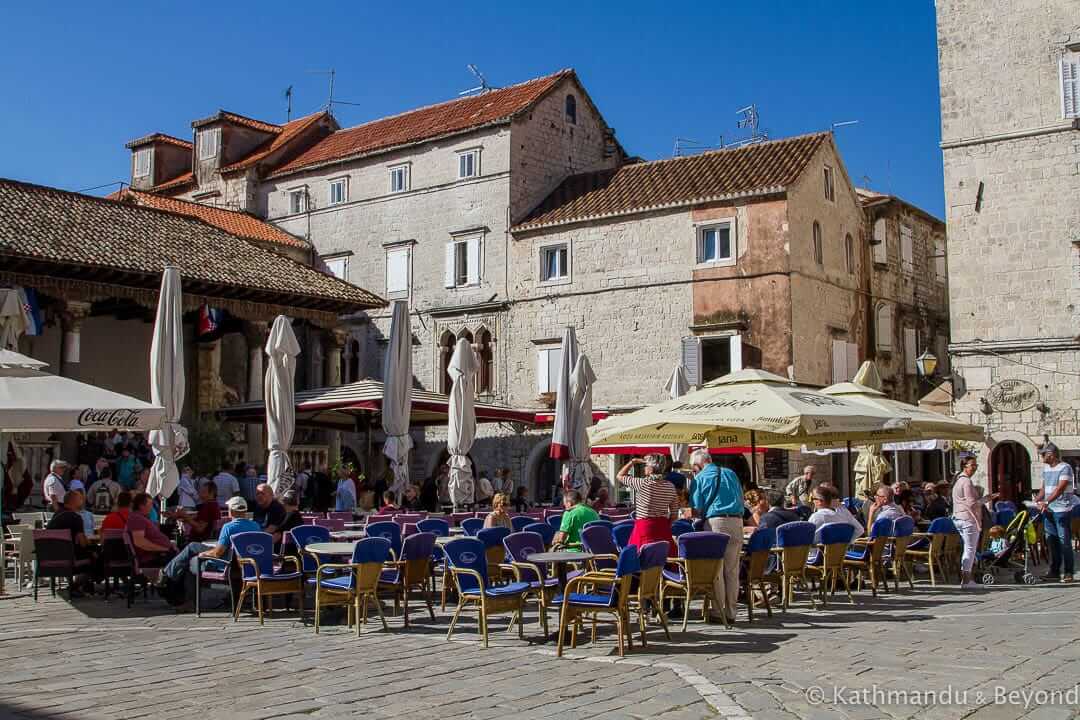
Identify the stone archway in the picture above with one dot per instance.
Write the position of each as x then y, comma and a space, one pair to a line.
986, 455
541, 471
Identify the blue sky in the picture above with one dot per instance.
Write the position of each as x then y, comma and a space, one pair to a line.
81, 79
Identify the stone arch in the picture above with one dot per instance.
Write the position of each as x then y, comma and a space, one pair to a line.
1001, 436
534, 467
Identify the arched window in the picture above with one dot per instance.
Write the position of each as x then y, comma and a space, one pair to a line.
446, 351
485, 379
354, 362
571, 109
819, 257
849, 253
884, 327
465, 335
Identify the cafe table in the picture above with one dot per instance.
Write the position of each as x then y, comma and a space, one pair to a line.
330, 548
348, 535
559, 559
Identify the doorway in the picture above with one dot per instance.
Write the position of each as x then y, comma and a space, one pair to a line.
1010, 472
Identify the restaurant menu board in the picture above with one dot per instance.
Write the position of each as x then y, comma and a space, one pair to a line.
776, 466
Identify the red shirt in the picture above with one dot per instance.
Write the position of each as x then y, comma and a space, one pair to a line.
151, 532
208, 513
116, 520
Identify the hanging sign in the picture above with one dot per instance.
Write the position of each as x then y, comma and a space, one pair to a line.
1012, 396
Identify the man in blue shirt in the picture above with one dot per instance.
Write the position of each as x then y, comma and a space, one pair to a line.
717, 496
1056, 500
221, 552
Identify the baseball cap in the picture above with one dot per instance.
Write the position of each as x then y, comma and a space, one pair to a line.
1048, 448
237, 504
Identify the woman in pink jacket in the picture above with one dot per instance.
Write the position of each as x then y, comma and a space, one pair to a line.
967, 515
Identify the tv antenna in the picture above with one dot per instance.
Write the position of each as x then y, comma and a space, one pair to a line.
843, 123
750, 119
288, 103
480, 89
331, 73
689, 146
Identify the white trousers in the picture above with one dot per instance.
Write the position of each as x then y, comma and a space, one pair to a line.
726, 585
969, 533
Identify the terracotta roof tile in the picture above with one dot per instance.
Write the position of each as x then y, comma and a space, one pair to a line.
425, 123
239, 120
176, 183
232, 221
60, 231
748, 170
288, 131
158, 137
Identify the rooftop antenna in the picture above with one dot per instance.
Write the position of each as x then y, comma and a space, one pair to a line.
331, 73
288, 102
750, 119
689, 145
866, 181
843, 123
480, 89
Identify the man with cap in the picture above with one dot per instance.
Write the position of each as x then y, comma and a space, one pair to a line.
1056, 500
185, 561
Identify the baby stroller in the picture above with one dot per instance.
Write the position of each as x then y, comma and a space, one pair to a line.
1019, 535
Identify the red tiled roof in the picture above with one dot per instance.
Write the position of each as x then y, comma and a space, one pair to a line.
425, 123
239, 120
288, 131
231, 221
176, 183
158, 137
722, 174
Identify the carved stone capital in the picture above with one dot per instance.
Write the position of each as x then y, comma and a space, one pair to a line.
73, 314
255, 333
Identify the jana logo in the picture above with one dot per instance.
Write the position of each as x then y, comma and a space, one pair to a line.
108, 418
468, 558
254, 549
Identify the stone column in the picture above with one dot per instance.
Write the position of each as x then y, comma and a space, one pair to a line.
71, 318
255, 333
333, 345
208, 367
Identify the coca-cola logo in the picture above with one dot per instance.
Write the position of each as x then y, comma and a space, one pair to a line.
108, 418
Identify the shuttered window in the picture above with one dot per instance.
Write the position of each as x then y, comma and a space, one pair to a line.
463, 261
209, 141
1070, 85
907, 250
911, 350
142, 163
884, 327
849, 253
547, 369
397, 271
819, 256
845, 360
879, 245
691, 359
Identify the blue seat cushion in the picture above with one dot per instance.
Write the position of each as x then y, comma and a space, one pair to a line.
343, 582
815, 557
586, 599
267, 577
857, 554
514, 588
676, 576
549, 582
390, 577
919, 544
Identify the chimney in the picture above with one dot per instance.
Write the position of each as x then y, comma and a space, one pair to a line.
158, 158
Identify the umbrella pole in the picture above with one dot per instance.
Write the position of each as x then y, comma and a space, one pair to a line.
847, 471
753, 459
3, 484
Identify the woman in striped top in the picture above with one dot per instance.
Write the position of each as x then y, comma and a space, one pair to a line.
656, 502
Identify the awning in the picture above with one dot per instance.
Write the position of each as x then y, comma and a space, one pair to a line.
547, 418
664, 450
356, 406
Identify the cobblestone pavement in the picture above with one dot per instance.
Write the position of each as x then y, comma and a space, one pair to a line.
99, 660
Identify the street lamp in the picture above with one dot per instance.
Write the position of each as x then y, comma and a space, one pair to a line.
926, 364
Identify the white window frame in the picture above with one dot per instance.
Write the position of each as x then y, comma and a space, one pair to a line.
343, 183
299, 193
830, 184
699, 244
1069, 76
145, 155
564, 277
394, 252
343, 259
474, 261
406, 181
548, 360
209, 143
692, 354
461, 162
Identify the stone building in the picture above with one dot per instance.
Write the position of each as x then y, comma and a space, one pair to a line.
1010, 88
506, 216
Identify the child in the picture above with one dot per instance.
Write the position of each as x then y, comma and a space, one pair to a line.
389, 502
997, 543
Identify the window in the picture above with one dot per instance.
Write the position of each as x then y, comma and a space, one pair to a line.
884, 327
209, 140
849, 253
399, 178
819, 256
397, 271
547, 369
845, 360
554, 263
463, 258
571, 109
142, 163
297, 201
468, 164
714, 244
878, 245
485, 378
907, 250
339, 191
338, 266
830, 188
939, 262
708, 358
1070, 85
911, 350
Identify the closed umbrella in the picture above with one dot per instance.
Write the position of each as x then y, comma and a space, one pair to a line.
678, 385
170, 443
461, 431
280, 392
397, 396
563, 429
578, 472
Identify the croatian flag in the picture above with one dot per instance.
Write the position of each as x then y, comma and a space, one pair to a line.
209, 320
28, 299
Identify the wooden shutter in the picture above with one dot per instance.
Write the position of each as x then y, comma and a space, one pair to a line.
1070, 85
884, 327
472, 262
691, 359
448, 280
397, 270
839, 360
736, 352
543, 379
907, 249
911, 350
880, 246
939, 261
852, 364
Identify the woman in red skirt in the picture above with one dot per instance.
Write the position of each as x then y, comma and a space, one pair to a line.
656, 502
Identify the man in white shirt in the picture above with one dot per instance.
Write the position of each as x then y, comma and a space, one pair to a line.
828, 509
53, 489
188, 495
227, 485
799, 488
883, 506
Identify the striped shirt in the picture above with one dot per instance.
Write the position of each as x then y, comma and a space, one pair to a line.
653, 498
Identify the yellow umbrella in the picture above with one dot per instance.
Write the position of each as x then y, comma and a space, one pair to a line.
922, 424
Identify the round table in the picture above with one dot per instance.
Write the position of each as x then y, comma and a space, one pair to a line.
347, 535
443, 539
559, 559
330, 548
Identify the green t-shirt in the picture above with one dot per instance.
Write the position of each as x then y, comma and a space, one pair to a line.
574, 519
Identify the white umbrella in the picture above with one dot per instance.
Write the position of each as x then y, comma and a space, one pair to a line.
578, 471
397, 396
563, 429
462, 423
678, 385
170, 443
279, 392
